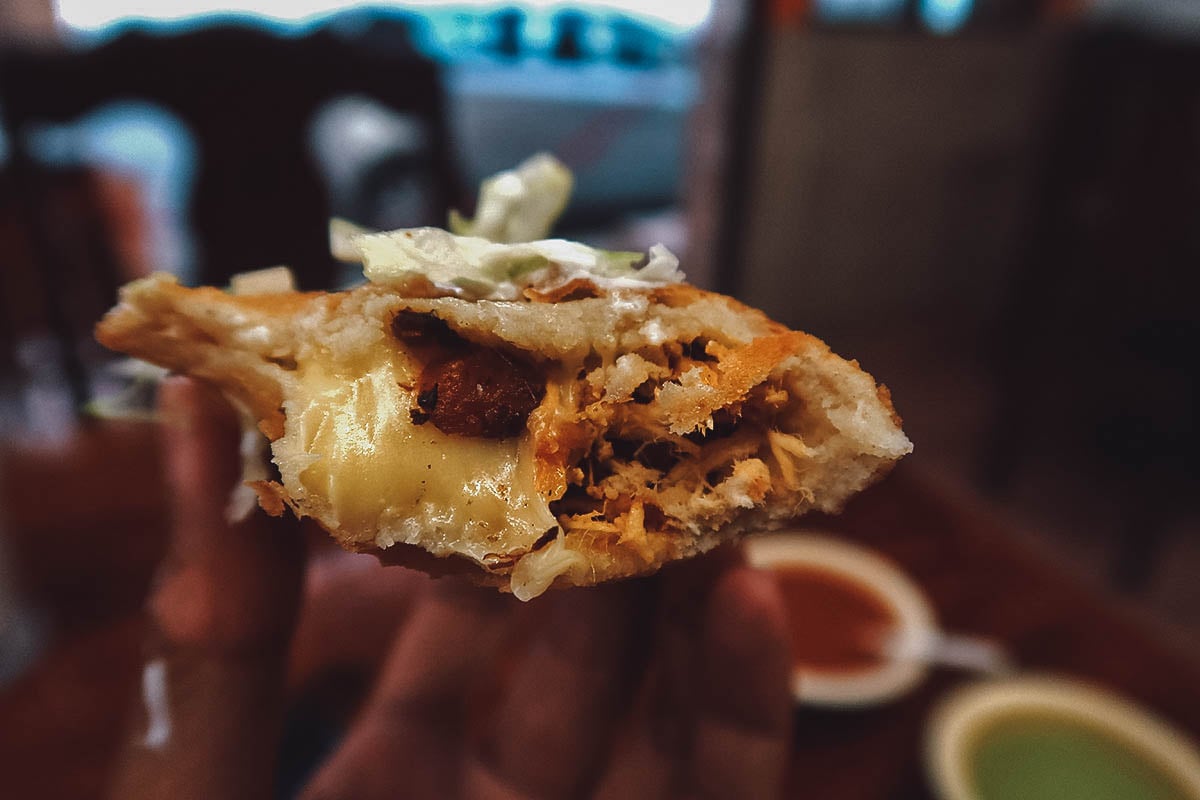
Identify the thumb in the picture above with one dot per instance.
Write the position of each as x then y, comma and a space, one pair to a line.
221, 616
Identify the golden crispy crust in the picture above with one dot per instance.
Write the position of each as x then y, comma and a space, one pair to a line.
673, 419
185, 330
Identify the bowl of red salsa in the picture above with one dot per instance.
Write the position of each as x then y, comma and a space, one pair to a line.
844, 602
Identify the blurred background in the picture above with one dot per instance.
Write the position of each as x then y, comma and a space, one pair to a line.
993, 204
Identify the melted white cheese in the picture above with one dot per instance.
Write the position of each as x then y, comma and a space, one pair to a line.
349, 438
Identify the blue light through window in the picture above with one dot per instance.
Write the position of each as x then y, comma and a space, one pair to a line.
868, 11
945, 16
679, 16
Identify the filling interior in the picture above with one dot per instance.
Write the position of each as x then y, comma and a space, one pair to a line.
609, 460
630, 473
488, 452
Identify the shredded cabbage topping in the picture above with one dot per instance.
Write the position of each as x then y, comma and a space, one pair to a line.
519, 205
431, 261
502, 252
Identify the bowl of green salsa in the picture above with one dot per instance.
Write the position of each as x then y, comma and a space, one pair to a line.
1043, 738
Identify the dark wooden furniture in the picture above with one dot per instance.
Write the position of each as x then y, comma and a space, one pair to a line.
59, 266
1097, 348
247, 97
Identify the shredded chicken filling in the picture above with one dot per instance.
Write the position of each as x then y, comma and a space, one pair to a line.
638, 476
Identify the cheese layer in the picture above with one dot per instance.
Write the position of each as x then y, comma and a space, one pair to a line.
350, 443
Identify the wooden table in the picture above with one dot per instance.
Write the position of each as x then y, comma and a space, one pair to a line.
983, 577
59, 722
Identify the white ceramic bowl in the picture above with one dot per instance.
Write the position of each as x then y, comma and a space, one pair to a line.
915, 618
961, 715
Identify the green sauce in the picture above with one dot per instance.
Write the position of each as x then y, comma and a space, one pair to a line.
1046, 757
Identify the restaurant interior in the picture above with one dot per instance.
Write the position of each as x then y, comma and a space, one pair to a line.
992, 205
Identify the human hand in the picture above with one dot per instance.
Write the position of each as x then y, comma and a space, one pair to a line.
675, 686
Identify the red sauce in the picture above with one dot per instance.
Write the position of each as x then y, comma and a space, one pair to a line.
833, 618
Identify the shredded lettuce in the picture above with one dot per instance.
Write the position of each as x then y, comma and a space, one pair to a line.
341, 240
519, 205
503, 250
272, 280
469, 266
